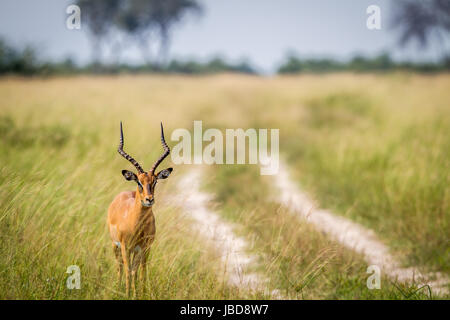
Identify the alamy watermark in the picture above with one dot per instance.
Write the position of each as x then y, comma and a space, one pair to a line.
73, 21
373, 21
231, 148
74, 280
374, 280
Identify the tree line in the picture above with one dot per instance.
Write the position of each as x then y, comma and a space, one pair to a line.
359, 63
27, 62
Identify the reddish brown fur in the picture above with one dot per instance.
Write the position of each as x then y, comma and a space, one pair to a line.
132, 225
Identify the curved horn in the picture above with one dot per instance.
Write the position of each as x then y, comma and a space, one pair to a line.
126, 155
164, 155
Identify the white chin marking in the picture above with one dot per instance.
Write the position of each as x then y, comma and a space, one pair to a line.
146, 205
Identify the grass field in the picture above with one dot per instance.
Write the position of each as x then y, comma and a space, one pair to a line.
373, 148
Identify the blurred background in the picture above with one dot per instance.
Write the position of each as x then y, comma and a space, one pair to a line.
195, 36
359, 90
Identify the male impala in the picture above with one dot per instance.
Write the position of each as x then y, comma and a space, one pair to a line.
130, 218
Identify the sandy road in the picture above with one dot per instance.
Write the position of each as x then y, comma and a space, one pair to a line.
351, 235
233, 249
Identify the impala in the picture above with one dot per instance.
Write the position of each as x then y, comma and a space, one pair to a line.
131, 221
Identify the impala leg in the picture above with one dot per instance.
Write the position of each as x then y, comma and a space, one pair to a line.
134, 269
143, 272
126, 265
119, 259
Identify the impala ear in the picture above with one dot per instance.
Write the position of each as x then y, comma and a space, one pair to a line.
129, 175
164, 174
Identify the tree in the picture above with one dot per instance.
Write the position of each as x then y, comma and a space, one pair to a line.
166, 14
136, 21
422, 21
100, 16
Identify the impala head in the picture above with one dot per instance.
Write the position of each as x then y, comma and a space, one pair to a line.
146, 181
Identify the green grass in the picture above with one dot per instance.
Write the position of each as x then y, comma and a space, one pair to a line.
391, 175
300, 261
374, 148
58, 176
53, 214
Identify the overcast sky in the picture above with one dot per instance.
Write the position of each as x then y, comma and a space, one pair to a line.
262, 31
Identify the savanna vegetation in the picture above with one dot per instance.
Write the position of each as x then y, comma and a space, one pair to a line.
27, 61
373, 148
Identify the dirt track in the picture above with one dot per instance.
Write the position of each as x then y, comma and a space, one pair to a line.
351, 235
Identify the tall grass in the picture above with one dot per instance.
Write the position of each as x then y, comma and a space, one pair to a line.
383, 160
53, 215
373, 148
300, 261
59, 172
